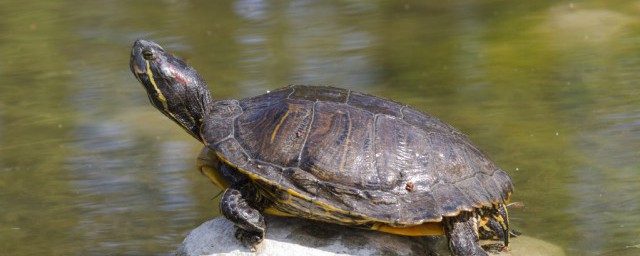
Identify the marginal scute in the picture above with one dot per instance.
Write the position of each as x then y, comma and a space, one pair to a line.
378, 197
232, 152
216, 129
475, 192
301, 179
451, 200
266, 171
351, 199
422, 202
218, 125
503, 185
488, 185
347, 195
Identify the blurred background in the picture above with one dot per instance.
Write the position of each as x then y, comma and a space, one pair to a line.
549, 89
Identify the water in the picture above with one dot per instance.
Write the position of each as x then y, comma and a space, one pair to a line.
550, 90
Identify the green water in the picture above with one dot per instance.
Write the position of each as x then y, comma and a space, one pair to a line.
549, 89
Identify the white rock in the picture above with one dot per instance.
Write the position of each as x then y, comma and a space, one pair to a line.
291, 236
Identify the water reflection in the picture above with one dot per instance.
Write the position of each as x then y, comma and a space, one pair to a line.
604, 185
303, 42
87, 166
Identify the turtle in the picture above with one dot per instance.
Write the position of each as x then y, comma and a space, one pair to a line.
332, 155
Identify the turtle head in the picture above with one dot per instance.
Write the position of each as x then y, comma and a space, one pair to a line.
173, 87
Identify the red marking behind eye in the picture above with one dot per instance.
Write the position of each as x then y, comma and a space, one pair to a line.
177, 75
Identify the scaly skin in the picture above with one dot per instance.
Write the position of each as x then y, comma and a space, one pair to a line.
236, 206
462, 234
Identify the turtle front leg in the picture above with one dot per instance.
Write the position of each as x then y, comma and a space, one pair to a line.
462, 234
236, 206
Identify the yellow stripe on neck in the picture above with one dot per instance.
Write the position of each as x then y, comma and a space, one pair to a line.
161, 97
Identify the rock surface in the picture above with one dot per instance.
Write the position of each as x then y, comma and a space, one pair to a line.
290, 236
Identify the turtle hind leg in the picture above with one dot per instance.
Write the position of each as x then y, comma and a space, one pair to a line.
497, 228
493, 231
462, 234
499, 221
235, 206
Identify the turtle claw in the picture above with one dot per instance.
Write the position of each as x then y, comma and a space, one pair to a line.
249, 222
249, 239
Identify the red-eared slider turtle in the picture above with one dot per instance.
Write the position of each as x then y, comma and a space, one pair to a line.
331, 155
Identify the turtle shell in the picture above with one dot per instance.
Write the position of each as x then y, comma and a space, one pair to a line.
342, 156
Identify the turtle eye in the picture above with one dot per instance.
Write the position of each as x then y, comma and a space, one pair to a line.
148, 54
